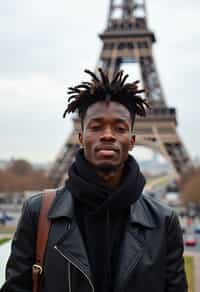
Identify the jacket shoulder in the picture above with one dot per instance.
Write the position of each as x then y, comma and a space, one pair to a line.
157, 210
33, 203
156, 205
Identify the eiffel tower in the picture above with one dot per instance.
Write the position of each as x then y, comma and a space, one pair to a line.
128, 40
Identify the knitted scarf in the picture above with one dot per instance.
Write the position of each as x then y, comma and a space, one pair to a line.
101, 213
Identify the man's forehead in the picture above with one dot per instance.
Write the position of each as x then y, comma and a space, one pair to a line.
111, 108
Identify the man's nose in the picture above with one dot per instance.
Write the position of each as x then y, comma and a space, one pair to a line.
107, 135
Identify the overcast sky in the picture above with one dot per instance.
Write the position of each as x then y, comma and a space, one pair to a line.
44, 47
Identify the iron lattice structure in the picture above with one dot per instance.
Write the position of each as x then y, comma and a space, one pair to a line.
127, 39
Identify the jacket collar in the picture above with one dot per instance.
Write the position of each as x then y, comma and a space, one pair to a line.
63, 206
140, 214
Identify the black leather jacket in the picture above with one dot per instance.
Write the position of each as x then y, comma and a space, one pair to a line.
150, 260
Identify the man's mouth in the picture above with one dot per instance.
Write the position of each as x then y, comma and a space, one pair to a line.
107, 151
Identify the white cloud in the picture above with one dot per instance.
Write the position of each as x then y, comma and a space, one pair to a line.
46, 45
31, 95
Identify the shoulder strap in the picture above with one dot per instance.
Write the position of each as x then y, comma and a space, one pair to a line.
42, 236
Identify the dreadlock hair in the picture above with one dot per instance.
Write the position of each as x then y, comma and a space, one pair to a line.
102, 89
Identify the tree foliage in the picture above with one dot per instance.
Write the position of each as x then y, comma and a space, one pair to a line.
191, 187
20, 176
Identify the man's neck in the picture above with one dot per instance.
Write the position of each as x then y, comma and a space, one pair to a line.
113, 178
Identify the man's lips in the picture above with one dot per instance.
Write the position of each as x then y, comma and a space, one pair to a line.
106, 150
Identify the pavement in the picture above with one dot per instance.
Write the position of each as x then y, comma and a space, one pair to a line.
4, 254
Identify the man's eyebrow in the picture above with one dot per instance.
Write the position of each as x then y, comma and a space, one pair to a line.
95, 120
117, 120
121, 120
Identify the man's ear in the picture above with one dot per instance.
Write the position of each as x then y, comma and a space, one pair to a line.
132, 142
80, 138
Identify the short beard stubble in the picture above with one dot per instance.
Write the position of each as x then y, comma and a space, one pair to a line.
108, 168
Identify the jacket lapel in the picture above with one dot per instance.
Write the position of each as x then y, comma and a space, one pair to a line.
69, 244
132, 250
72, 247
133, 244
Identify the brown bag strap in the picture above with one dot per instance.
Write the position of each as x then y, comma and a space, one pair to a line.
42, 236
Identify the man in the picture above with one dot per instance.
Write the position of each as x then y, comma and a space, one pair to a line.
105, 235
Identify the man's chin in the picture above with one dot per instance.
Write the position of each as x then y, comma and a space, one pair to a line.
106, 167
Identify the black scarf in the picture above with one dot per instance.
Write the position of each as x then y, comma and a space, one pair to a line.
101, 213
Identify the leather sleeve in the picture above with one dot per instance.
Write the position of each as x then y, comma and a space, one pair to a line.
19, 265
175, 273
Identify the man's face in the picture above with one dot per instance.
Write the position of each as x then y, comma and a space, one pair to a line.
107, 135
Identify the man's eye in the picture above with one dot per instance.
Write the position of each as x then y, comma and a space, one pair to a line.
96, 127
121, 129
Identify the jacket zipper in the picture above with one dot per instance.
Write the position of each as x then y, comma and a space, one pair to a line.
90, 282
69, 270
